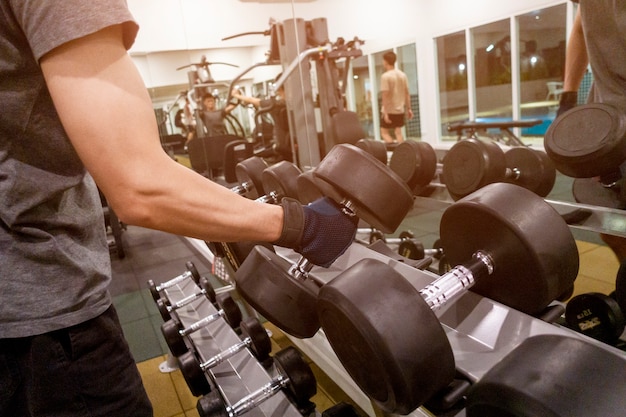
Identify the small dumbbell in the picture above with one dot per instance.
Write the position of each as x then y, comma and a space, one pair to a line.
376, 148
206, 290
282, 291
295, 378
254, 337
596, 315
191, 272
416, 163
376, 235
280, 180
473, 163
413, 249
500, 255
249, 175
175, 334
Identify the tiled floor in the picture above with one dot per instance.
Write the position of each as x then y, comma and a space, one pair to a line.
160, 256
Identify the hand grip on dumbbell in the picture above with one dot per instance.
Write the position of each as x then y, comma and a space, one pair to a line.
191, 272
206, 291
357, 186
295, 378
255, 338
497, 237
175, 334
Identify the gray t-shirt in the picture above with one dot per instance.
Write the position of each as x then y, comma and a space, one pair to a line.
604, 26
54, 259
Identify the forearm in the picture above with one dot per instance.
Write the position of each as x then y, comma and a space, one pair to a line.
385, 102
576, 59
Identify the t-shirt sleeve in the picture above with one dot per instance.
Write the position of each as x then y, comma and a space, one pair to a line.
48, 24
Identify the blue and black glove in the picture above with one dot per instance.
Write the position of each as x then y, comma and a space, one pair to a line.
568, 100
319, 231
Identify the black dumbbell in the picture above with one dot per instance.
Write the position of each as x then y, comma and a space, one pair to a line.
401, 357
282, 291
206, 290
596, 315
249, 175
280, 180
376, 148
175, 334
473, 163
254, 337
413, 249
416, 163
552, 375
295, 378
191, 272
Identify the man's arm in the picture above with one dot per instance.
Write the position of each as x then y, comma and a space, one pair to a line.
108, 115
576, 59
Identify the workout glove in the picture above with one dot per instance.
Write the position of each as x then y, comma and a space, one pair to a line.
568, 101
319, 231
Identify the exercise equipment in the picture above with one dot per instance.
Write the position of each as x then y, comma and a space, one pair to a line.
175, 334
279, 180
249, 174
295, 378
206, 291
620, 287
376, 148
473, 163
284, 292
496, 236
596, 315
416, 163
552, 376
254, 337
495, 131
590, 141
191, 272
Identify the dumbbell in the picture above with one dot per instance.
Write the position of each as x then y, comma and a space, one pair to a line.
473, 163
191, 272
280, 180
401, 357
249, 175
416, 163
586, 142
295, 378
552, 375
376, 148
254, 337
206, 290
596, 315
175, 334
283, 292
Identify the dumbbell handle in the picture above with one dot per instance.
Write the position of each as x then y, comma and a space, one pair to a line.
228, 353
243, 188
255, 398
201, 323
513, 173
272, 197
184, 301
174, 281
457, 281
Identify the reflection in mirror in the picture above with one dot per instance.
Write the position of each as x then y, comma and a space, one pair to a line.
542, 59
362, 87
452, 71
492, 61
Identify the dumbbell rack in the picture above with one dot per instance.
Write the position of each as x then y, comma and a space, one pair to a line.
241, 374
481, 331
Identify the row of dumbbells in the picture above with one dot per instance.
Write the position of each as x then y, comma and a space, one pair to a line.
293, 375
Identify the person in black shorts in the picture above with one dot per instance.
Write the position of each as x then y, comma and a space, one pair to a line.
396, 101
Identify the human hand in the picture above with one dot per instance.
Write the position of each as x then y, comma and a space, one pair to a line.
568, 101
319, 231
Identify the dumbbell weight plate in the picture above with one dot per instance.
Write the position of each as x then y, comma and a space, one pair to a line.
379, 196
376, 148
470, 165
293, 301
620, 287
414, 162
537, 170
260, 343
282, 178
310, 188
302, 384
524, 234
595, 315
587, 141
195, 378
250, 171
398, 366
552, 376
